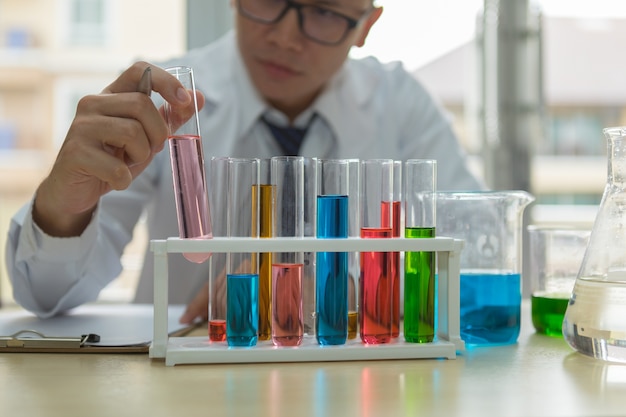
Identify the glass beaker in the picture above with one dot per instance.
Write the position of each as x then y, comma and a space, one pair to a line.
556, 253
490, 222
595, 319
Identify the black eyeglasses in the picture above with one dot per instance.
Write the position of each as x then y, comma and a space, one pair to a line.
319, 24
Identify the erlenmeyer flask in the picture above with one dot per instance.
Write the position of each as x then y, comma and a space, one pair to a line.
595, 320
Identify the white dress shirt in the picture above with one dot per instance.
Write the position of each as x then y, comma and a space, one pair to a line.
368, 110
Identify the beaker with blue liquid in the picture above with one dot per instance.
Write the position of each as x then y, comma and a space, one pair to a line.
490, 223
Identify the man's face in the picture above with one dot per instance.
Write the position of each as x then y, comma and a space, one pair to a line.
289, 69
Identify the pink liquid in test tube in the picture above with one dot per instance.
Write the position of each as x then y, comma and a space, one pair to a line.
192, 205
376, 288
391, 211
190, 186
287, 318
378, 274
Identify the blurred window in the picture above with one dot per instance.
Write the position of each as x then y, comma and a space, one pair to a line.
88, 23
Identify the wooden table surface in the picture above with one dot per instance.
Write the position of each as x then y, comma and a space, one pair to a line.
538, 376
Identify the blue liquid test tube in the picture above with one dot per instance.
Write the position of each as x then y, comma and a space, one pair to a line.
332, 267
242, 280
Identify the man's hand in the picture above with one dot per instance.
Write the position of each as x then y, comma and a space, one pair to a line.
112, 139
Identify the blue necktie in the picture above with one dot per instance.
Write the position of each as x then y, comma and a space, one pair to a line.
289, 138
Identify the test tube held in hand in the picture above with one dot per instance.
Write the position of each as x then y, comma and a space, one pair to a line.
189, 177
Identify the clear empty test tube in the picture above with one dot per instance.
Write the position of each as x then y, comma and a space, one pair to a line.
187, 159
377, 269
308, 279
265, 193
354, 231
218, 179
419, 267
397, 227
287, 267
332, 267
242, 279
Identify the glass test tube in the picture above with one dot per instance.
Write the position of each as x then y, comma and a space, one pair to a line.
332, 267
376, 285
287, 267
187, 159
419, 267
392, 212
242, 282
308, 279
265, 192
217, 275
354, 231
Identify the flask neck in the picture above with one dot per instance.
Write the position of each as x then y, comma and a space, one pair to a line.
616, 153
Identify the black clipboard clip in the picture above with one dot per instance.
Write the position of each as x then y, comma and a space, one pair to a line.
24, 339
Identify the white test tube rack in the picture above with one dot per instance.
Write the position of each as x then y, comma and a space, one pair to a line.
199, 350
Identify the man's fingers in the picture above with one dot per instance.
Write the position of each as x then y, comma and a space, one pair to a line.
132, 116
178, 116
165, 84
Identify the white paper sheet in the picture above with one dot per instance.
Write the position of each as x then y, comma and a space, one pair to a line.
116, 324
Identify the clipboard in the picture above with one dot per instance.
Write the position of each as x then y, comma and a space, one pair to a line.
92, 328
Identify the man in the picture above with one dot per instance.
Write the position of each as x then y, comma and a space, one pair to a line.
285, 64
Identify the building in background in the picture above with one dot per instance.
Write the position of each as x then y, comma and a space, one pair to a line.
53, 52
583, 92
